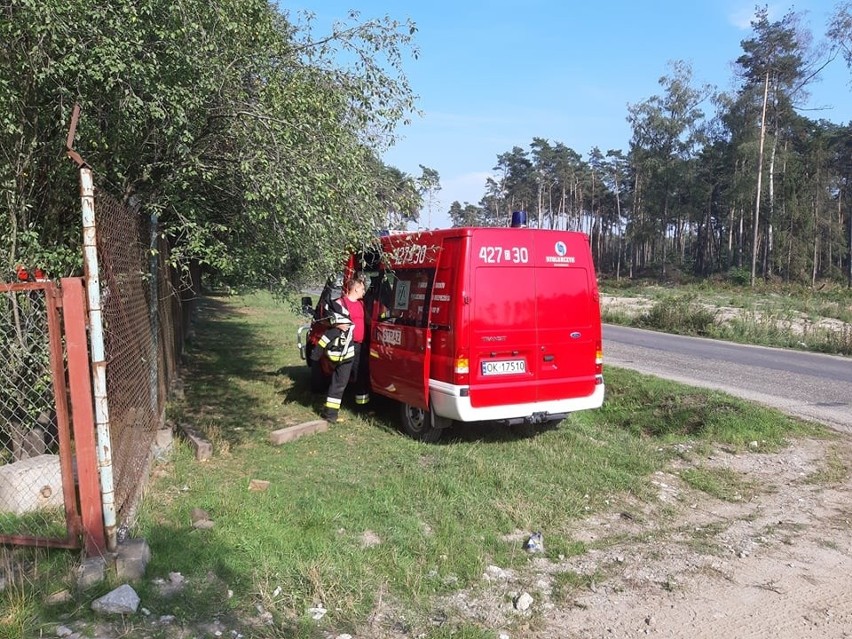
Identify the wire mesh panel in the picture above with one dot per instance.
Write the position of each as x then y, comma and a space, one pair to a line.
133, 389
32, 490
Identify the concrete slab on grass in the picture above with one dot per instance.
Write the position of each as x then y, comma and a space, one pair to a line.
284, 435
203, 448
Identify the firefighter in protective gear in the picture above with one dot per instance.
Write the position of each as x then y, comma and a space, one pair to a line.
342, 344
337, 340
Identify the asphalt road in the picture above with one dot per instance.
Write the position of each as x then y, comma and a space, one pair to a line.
808, 385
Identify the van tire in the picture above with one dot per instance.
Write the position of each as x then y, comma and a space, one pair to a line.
319, 380
417, 424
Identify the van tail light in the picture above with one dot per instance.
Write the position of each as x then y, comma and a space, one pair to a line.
598, 358
461, 369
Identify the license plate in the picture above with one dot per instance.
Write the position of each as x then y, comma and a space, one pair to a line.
504, 367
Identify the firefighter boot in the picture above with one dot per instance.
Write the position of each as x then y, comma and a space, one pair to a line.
331, 411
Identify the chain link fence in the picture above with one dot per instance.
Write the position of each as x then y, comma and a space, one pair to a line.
32, 502
143, 334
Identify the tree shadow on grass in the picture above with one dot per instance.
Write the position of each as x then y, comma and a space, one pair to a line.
228, 389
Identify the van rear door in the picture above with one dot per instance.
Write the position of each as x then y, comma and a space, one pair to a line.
531, 324
568, 317
503, 333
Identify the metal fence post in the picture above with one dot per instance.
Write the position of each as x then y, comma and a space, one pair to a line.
96, 340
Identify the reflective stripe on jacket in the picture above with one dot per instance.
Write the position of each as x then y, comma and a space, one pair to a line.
338, 344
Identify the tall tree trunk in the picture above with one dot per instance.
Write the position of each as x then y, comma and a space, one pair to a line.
730, 258
620, 230
741, 239
815, 267
665, 225
770, 218
759, 179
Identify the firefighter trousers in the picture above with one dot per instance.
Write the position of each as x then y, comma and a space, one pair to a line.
339, 381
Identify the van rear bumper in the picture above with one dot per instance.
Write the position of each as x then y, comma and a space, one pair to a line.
448, 401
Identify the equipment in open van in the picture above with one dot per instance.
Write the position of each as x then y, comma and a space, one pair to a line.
480, 324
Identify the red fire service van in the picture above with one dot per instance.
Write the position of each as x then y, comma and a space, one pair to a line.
478, 324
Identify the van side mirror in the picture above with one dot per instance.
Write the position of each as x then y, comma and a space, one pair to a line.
307, 305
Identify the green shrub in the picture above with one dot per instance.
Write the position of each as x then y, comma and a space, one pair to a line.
679, 314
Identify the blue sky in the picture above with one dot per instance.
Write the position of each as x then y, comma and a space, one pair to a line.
493, 74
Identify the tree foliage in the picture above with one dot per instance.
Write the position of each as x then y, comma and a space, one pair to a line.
711, 180
253, 141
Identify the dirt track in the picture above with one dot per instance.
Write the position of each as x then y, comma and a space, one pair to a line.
776, 565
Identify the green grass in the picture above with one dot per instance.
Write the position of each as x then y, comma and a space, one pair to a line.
568, 583
440, 513
834, 469
27, 577
46, 522
721, 483
769, 315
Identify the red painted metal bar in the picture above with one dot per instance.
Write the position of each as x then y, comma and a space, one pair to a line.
53, 297
82, 411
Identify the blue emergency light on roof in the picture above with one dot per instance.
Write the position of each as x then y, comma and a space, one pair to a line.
519, 219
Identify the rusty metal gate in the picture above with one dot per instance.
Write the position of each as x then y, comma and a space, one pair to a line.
48, 469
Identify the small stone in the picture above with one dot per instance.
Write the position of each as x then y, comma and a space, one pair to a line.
494, 573
198, 514
370, 539
132, 557
92, 571
258, 485
317, 613
59, 597
121, 601
523, 602
64, 631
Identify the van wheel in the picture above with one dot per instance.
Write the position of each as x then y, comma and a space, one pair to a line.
417, 424
319, 381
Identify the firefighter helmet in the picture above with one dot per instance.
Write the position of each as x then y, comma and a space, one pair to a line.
339, 318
